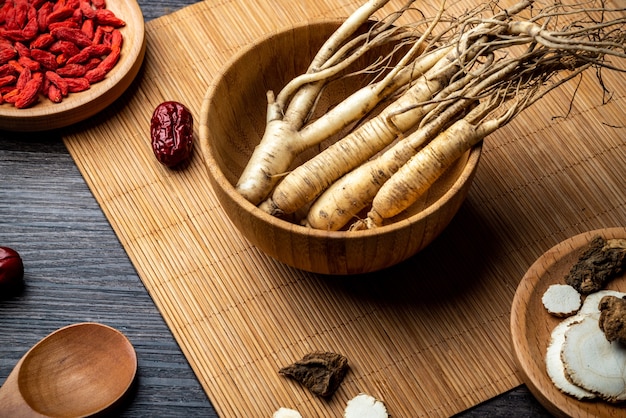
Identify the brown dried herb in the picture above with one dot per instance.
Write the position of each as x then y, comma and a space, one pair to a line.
599, 263
320, 372
613, 318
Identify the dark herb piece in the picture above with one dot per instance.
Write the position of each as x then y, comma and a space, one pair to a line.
613, 318
599, 263
320, 372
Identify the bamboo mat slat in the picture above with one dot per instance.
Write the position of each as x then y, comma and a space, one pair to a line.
430, 337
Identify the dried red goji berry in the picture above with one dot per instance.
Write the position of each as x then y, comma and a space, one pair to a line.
21, 14
42, 16
60, 14
18, 67
88, 11
77, 84
7, 80
54, 94
29, 63
64, 24
67, 48
7, 54
72, 70
92, 63
11, 96
96, 74
22, 50
8, 69
45, 58
36, 4
43, 41
71, 35
25, 77
107, 17
98, 4
88, 28
29, 95
116, 39
58, 81
31, 29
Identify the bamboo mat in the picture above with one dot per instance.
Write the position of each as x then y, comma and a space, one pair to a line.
430, 337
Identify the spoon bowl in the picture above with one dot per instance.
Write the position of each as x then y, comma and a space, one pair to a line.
76, 371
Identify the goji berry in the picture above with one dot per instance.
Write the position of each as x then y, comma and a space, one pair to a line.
11, 96
31, 29
7, 54
77, 84
22, 50
116, 39
88, 28
92, 63
64, 24
29, 95
7, 80
88, 11
98, 4
42, 16
64, 47
45, 58
58, 81
107, 17
54, 94
25, 77
29, 63
72, 70
8, 69
72, 35
43, 41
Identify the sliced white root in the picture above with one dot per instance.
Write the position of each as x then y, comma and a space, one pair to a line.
286, 413
555, 366
594, 363
365, 406
592, 301
561, 300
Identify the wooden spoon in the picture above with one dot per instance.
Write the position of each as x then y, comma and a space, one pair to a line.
76, 371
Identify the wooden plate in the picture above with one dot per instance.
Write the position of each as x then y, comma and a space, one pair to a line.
76, 107
532, 325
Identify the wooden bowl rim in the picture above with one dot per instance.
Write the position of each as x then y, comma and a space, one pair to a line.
229, 189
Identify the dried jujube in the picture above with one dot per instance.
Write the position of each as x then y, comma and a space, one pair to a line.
171, 132
11, 272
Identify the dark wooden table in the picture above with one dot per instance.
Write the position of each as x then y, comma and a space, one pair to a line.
77, 270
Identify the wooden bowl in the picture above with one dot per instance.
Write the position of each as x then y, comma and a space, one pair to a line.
76, 107
232, 122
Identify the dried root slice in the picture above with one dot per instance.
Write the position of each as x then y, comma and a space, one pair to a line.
286, 413
561, 300
592, 301
613, 318
594, 363
320, 372
365, 406
599, 263
555, 366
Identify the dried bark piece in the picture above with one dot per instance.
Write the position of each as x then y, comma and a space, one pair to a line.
320, 372
599, 263
613, 318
